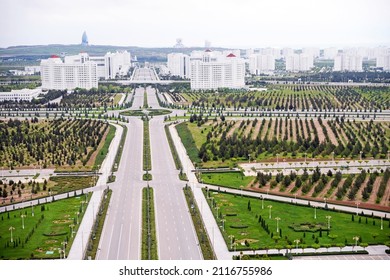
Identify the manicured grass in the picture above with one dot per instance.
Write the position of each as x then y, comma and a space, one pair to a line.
70, 183
242, 216
147, 160
149, 112
145, 100
104, 150
188, 141
120, 149
204, 241
117, 98
173, 148
148, 226
43, 232
147, 177
227, 179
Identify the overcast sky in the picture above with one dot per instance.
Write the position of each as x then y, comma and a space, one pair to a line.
225, 23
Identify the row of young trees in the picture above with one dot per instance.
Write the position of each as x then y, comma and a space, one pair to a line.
349, 188
292, 136
55, 142
296, 97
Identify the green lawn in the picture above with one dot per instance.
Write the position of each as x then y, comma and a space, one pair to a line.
227, 179
244, 224
43, 233
104, 150
70, 183
188, 141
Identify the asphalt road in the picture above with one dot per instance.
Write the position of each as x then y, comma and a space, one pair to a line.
121, 236
175, 232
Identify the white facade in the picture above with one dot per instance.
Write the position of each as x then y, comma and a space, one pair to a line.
287, 52
71, 74
330, 53
299, 62
348, 62
214, 70
20, 95
117, 64
314, 52
259, 63
384, 62
179, 65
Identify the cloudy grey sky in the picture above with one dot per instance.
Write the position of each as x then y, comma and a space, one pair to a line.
225, 23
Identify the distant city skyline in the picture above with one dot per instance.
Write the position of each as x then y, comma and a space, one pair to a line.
228, 23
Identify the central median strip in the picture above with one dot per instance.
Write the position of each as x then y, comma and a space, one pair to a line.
175, 155
147, 161
149, 240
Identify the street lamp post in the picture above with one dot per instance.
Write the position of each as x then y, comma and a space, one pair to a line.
328, 217
262, 202
23, 216
270, 210
223, 224
277, 223
357, 207
217, 211
82, 203
356, 238
32, 209
231, 241
315, 212
64, 244
11, 228
297, 241
71, 228
77, 217
381, 223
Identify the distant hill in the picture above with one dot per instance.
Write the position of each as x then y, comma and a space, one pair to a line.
42, 51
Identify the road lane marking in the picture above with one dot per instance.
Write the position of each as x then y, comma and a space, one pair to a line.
120, 237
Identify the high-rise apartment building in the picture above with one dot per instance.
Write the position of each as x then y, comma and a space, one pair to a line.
117, 64
259, 63
71, 74
179, 65
213, 70
348, 62
384, 62
299, 62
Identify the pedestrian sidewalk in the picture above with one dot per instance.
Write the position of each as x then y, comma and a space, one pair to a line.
81, 239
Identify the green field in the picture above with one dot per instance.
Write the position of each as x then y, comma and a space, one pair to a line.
64, 184
104, 150
44, 232
227, 179
149, 112
244, 217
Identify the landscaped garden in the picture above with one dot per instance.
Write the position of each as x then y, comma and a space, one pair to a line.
42, 231
292, 97
63, 144
252, 223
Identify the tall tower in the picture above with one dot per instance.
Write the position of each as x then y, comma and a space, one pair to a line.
84, 39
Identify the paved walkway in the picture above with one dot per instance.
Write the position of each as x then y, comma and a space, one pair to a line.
80, 242
345, 166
